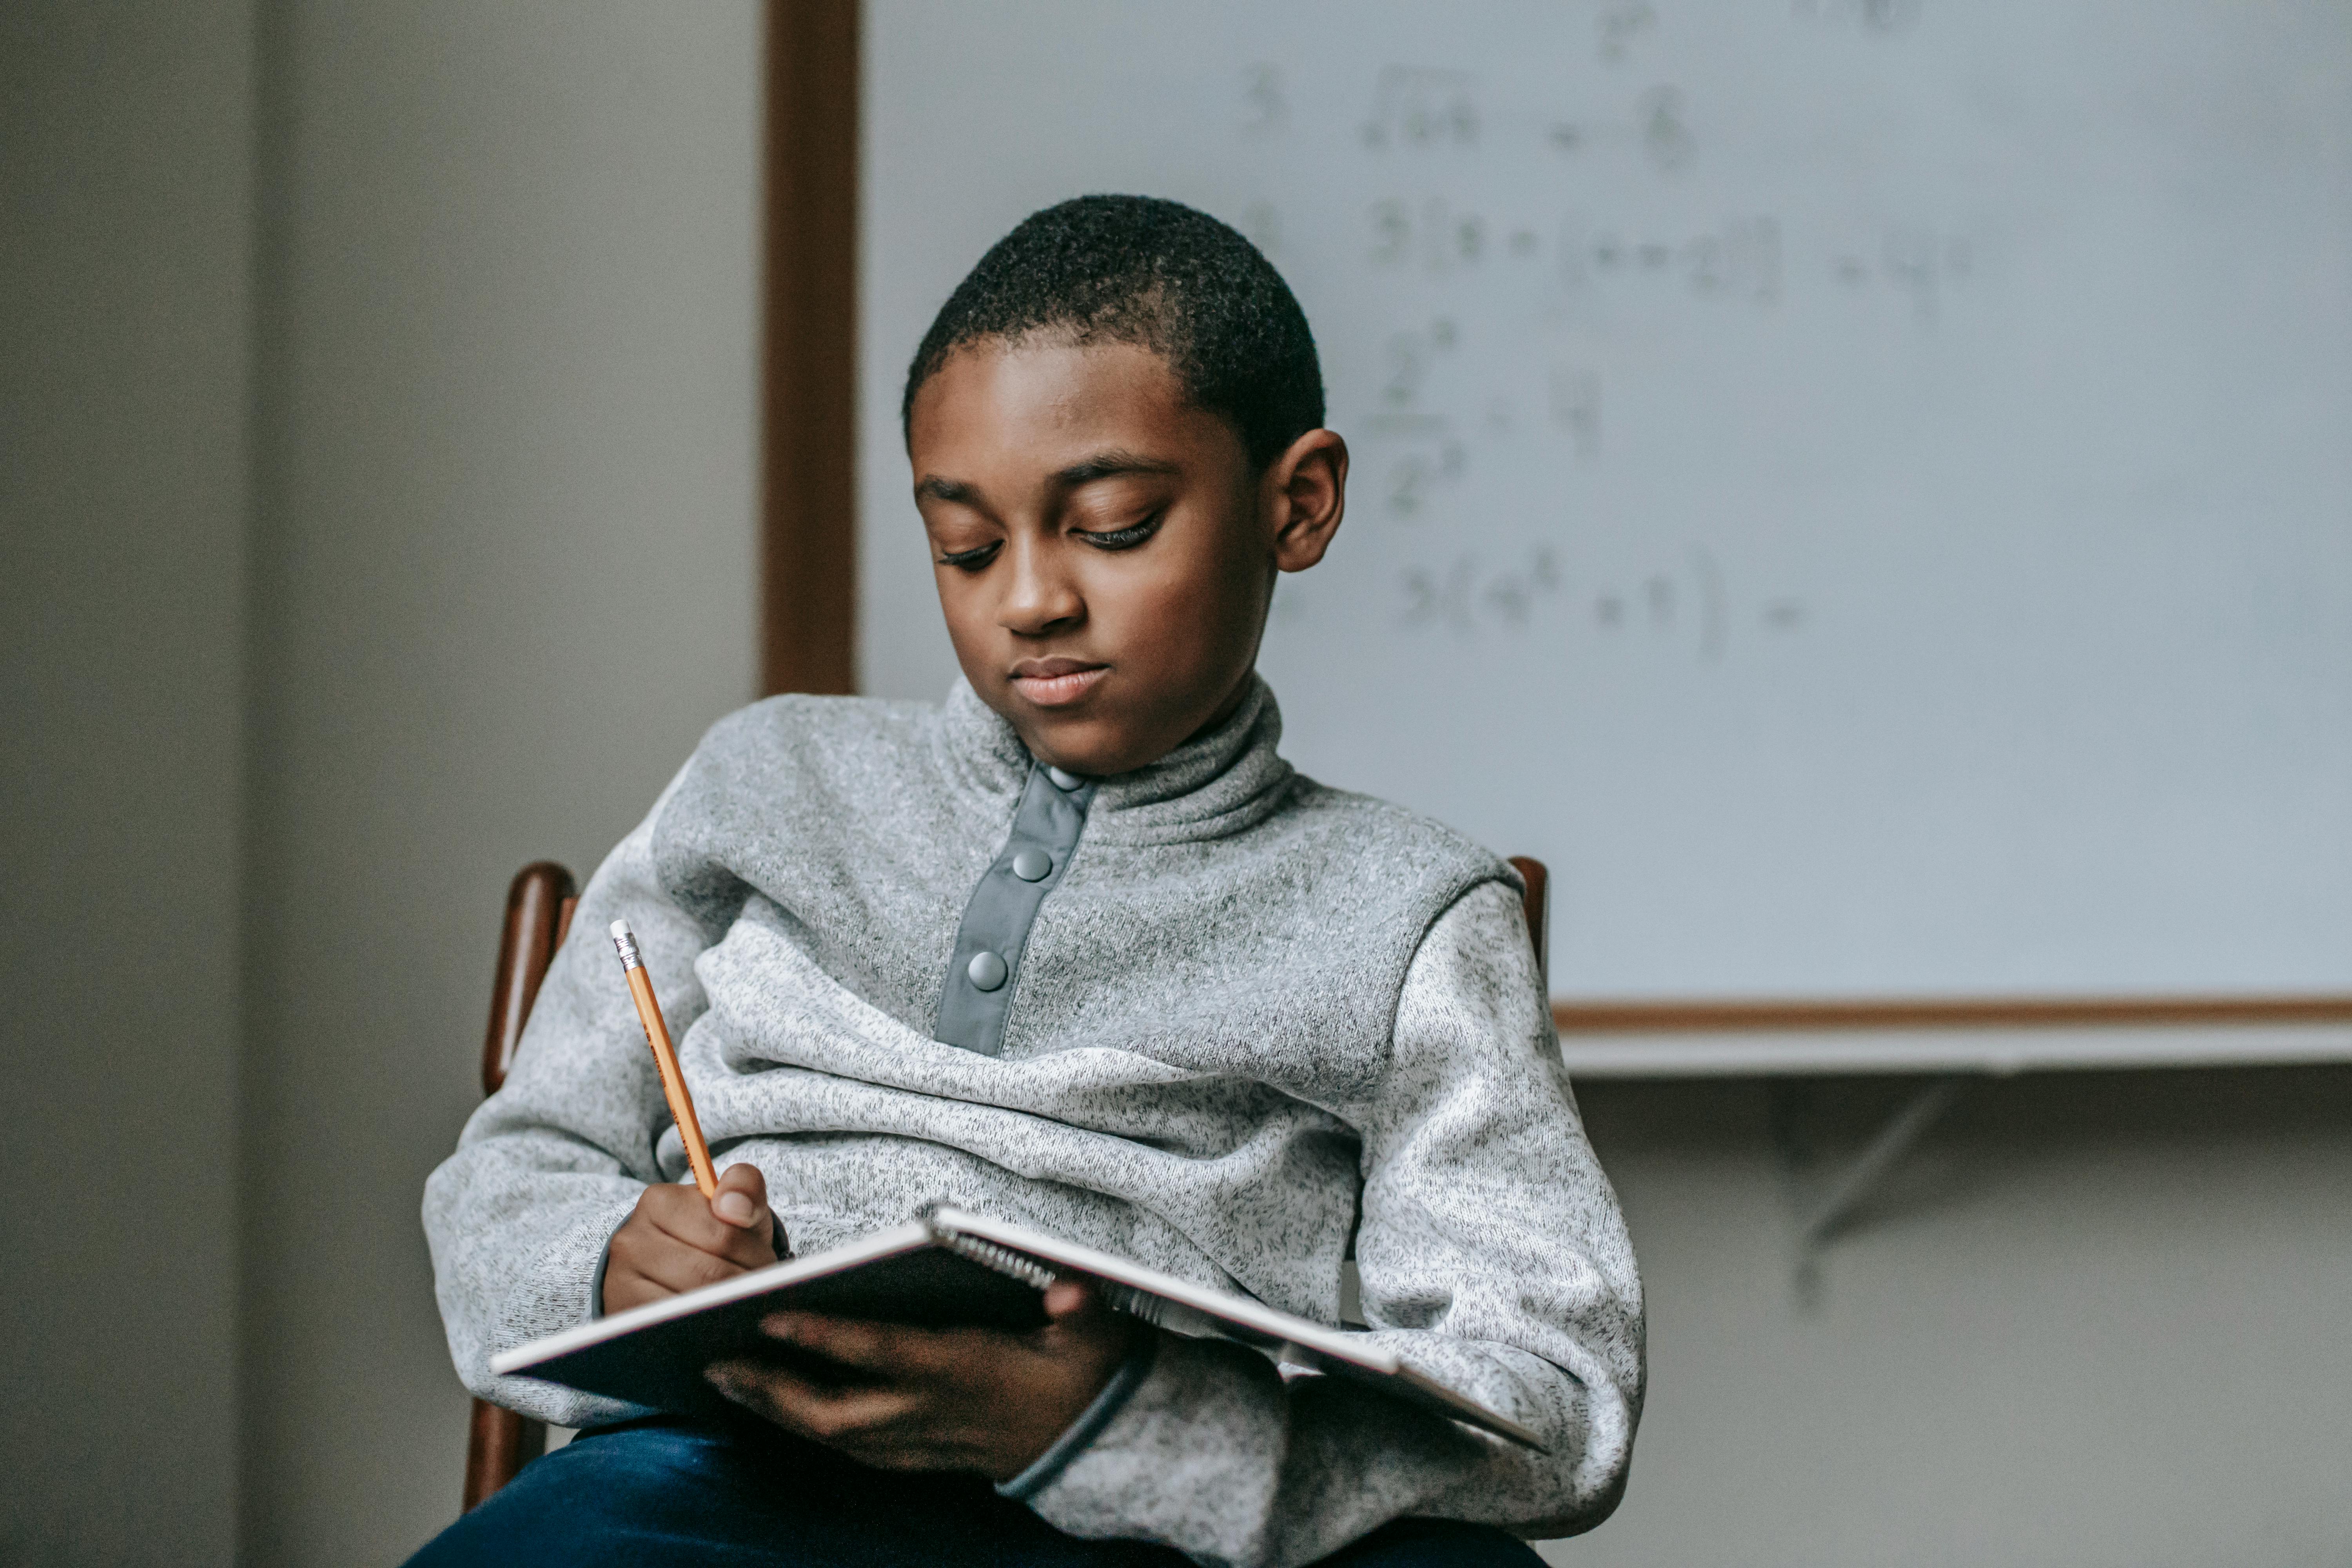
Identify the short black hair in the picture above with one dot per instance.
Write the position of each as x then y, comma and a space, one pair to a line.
1138, 270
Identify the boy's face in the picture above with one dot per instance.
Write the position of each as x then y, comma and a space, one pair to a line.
1105, 554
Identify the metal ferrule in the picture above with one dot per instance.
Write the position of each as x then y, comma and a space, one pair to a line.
627, 946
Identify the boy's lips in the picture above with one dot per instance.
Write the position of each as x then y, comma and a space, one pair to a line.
1053, 682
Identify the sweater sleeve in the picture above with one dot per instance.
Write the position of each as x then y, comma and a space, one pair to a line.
547, 1168
1492, 1257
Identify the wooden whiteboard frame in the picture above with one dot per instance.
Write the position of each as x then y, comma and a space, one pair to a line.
808, 403
1990, 1035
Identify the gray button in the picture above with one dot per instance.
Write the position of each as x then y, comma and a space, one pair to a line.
986, 971
1063, 780
1031, 865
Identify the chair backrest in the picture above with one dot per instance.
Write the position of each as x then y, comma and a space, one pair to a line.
1536, 903
540, 902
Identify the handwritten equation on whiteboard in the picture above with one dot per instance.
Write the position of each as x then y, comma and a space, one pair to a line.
1685, 607
1516, 268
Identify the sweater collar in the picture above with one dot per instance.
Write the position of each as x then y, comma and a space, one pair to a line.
1219, 782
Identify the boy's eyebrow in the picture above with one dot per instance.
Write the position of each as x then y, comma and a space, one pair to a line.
1110, 463
1103, 464
953, 491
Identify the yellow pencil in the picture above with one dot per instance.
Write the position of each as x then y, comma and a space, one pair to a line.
681, 1103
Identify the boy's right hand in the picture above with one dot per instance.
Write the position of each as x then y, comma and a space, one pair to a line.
674, 1241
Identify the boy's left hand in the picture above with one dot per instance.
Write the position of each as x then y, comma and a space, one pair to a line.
938, 1399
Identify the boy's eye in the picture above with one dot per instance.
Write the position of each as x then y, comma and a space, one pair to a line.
971, 560
1126, 537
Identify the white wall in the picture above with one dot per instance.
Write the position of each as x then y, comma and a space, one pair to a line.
2096, 1321
504, 578
125, 236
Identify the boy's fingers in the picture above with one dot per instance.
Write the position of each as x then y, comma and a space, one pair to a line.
861, 1346
741, 1200
679, 1213
852, 1343
792, 1401
676, 1269
1066, 1299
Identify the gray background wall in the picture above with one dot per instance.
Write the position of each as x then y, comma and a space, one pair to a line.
2096, 1321
439, 319
503, 557
441, 316
125, 241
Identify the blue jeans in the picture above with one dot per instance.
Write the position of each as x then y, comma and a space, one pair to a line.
653, 1493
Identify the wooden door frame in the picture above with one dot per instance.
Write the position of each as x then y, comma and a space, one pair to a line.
808, 405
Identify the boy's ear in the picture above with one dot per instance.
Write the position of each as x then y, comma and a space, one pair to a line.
1306, 494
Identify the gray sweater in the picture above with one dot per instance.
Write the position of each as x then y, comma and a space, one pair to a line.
1236, 1016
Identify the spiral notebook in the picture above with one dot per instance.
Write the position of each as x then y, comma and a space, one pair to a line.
944, 1269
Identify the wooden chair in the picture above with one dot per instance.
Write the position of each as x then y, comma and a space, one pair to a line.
540, 902
1537, 901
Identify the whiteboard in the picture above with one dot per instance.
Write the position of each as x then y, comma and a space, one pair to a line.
1862, 487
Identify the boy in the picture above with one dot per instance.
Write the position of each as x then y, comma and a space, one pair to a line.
1078, 949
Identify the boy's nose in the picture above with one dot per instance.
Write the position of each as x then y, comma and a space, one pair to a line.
1039, 598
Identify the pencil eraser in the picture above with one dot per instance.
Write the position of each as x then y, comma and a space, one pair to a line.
620, 930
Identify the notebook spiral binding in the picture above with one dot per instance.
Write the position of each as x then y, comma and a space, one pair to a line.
1029, 1271
1003, 1259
